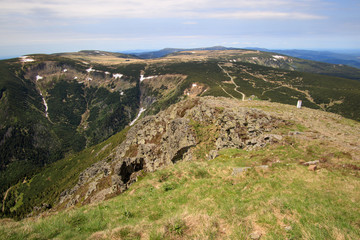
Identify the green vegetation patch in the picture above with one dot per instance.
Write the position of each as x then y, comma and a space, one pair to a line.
205, 200
43, 190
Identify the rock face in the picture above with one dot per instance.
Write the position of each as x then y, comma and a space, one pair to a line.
170, 136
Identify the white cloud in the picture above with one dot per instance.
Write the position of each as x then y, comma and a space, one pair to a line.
262, 15
190, 23
254, 9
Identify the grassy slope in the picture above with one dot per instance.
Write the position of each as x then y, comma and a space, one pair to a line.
206, 73
267, 59
46, 186
334, 94
309, 66
338, 95
202, 199
33, 140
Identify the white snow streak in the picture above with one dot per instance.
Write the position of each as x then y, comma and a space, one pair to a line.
38, 77
89, 70
137, 117
45, 104
26, 59
117, 75
142, 78
278, 57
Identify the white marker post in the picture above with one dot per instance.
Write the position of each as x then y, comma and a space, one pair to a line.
299, 104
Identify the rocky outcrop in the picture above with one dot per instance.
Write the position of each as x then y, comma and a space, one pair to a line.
170, 136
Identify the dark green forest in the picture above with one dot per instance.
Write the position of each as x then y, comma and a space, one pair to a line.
29, 140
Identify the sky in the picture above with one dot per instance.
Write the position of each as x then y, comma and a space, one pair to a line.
49, 26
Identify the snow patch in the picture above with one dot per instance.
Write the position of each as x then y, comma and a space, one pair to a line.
65, 70
46, 107
117, 75
89, 70
121, 93
137, 117
26, 59
45, 104
142, 78
194, 85
75, 78
38, 77
278, 57
89, 79
107, 73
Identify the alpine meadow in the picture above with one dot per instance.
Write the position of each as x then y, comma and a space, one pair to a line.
247, 129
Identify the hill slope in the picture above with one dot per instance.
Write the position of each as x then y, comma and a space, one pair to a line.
56, 106
50, 106
350, 58
166, 51
236, 194
270, 59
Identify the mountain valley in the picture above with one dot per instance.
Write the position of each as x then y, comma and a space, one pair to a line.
86, 134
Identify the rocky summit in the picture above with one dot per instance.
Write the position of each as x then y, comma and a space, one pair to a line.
172, 135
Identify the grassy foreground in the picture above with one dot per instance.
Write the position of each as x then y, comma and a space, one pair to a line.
204, 200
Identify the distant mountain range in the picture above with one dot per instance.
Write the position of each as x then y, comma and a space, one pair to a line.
345, 58
350, 59
166, 51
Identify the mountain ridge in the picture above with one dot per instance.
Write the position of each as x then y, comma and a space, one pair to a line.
329, 56
76, 102
165, 51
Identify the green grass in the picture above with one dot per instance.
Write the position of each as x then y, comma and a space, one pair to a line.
203, 200
46, 186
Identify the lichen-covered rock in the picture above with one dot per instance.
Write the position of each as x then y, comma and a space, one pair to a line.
170, 136
239, 171
213, 154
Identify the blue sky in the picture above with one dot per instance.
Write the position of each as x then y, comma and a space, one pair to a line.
48, 26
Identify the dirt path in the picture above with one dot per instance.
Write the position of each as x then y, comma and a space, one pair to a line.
270, 90
306, 93
227, 92
233, 82
6, 193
